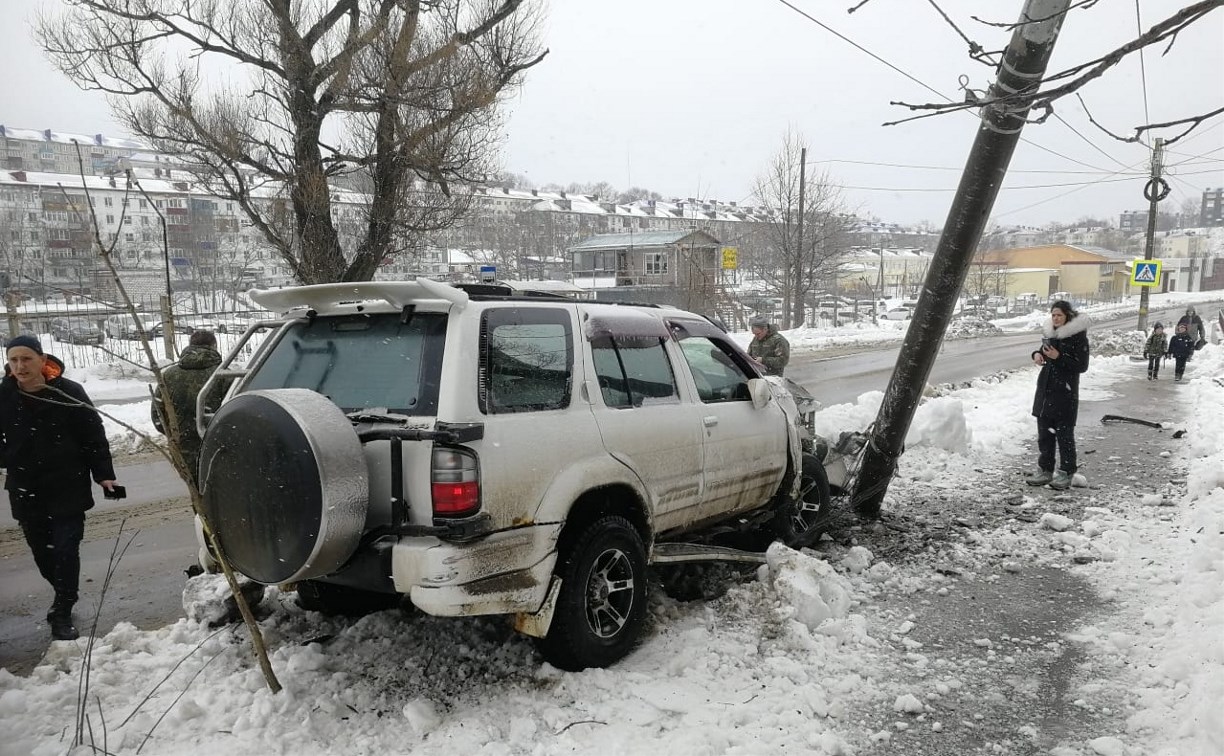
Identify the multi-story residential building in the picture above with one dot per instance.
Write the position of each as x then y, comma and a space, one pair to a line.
48, 151
1212, 212
47, 240
1131, 221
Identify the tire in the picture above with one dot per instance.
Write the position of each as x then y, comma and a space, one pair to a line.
330, 599
601, 608
801, 522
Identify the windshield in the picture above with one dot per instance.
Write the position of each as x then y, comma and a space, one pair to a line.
361, 362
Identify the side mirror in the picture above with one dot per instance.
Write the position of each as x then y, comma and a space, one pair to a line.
760, 391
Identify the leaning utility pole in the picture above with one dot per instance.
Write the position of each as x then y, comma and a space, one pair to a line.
1155, 190
1020, 73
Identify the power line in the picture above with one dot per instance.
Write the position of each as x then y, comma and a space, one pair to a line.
1091, 143
1060, 195
923, 84
1175, 177
954, 168
1102, 180
862, 49
1147, 118
1190, 157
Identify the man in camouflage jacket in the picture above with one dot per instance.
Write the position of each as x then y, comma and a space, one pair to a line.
769, 348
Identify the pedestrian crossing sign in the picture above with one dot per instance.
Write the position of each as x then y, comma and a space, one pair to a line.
1145, 273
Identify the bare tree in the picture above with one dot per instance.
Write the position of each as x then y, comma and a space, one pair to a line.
400, 97
792, 265
985, 279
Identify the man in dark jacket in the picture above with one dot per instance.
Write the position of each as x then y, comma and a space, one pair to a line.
51, 442
1063, 356
769, 348
1194, 326
184, 380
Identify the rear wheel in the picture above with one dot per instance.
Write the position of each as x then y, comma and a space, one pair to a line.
601, 608
327, 598
799, 521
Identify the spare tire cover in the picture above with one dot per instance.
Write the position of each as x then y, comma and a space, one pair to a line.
284, 484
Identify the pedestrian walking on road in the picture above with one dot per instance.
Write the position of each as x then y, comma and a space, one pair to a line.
1194, 328
769, 349
1181, 348
184, 380
1063, 356
51, 443
1155, 350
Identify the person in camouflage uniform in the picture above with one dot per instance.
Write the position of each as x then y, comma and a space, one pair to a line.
769, 348
1155, 350
184, 380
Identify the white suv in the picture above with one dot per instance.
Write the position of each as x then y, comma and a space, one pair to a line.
492, 454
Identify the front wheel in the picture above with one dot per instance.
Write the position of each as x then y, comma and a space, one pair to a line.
601, 608
800, 521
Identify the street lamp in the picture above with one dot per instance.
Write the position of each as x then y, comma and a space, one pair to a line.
168, 299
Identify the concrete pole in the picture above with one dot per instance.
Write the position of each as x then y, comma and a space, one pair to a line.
1021, 71
1155, 191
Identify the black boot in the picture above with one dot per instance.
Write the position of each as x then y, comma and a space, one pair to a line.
60, 619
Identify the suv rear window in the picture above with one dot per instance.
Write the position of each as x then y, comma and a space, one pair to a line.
361, 362
526, 360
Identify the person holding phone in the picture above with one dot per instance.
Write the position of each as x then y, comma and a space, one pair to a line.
1063, 356
51, 443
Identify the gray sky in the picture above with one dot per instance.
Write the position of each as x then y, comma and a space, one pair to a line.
692, 97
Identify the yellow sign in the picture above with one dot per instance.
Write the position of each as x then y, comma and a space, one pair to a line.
1145, 273
730, 258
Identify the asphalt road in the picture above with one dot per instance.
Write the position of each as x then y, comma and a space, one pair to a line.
147, 584
146, 587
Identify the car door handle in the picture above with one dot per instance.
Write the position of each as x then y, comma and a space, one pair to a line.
709, 421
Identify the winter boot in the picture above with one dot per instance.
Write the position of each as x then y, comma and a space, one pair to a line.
1039, 478
1061, 481
60, 619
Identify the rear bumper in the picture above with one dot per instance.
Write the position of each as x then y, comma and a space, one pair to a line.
504, 573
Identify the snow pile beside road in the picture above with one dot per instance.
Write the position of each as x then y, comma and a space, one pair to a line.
779, 664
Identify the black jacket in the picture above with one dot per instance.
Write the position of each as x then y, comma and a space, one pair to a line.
1181, 346
1057, 396
51, 447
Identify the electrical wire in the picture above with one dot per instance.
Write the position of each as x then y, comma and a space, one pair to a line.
923, 84
1091, 143
1195, 157
1060, 195
1147, 118
1102, 180
952, 168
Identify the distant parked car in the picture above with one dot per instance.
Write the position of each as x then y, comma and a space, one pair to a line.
76, 331
179, 327
123, 327
899, 313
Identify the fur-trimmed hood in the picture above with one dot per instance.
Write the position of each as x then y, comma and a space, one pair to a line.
1069, 329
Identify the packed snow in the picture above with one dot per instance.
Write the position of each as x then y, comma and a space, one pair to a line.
787, 661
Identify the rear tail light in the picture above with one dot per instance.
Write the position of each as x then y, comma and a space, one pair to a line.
455, 482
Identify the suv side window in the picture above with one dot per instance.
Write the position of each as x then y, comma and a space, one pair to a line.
718, 375
526, 360
633, 371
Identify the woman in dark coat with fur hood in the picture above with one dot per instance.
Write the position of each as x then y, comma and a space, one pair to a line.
1063, 356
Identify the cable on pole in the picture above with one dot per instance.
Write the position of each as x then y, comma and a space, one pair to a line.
1156, 189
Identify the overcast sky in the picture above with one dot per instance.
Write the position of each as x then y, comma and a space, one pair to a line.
692, 97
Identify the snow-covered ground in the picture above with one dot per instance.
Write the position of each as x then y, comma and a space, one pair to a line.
783, 663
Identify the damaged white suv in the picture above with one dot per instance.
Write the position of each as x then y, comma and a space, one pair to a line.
490, 454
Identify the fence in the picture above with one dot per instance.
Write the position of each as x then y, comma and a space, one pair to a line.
84, 333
